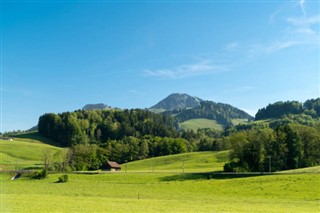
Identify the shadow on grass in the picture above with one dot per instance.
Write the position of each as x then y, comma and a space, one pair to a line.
209, 175
36, 136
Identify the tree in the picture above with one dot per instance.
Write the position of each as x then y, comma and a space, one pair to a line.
47, 158
86, 157
294, 148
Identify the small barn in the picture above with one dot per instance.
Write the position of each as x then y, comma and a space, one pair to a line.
111, 166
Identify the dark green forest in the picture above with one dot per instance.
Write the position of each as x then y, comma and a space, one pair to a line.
310, 107
285, 147
98, 126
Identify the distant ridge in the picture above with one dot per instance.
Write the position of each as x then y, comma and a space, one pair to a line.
96, 106
177, 101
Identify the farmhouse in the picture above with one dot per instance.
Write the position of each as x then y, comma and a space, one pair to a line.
111, 166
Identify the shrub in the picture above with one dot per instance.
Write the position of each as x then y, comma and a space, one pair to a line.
63, 179
40, 175
231, 166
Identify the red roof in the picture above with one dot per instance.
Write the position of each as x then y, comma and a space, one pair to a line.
113, 164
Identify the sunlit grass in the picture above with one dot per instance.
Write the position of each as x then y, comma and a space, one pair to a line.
148, 192
22, 153
187, 162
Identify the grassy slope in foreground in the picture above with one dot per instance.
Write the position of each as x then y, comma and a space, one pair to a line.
161, 192
192, 162
195, 124
23, 152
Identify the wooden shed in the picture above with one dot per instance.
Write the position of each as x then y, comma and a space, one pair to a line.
111, 166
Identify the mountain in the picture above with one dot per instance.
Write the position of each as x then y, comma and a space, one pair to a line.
177, 101
187, 110
96, 106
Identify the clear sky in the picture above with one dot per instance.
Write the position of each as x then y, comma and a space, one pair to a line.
57, 56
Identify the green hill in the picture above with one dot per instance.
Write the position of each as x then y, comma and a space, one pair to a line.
192, 162
21, 153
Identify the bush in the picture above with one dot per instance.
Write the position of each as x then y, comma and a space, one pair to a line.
63, 179
40, 175
231, 167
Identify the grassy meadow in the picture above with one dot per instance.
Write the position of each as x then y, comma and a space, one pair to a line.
186, 162
162, 192
137, 189
195, 124
23, 153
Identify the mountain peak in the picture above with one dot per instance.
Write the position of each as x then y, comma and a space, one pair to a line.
96, 106
178, 101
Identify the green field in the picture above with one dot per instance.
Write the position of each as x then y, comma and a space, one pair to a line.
187, 162
138, 189
237, 121
162, 192
195, 124
23, 153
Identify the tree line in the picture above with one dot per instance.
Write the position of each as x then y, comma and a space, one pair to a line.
277, 110
98, 126
285, 147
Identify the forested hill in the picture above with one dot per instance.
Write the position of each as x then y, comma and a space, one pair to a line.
222, 113
279, 109
185, 107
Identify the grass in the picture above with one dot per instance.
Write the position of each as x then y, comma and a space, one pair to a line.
192, 162
237, 121
35, 137
23, 153
195, 124
199, 189
315, 169
159, 192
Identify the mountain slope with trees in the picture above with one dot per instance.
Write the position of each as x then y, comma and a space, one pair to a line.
96, 106
184, 107
177, 101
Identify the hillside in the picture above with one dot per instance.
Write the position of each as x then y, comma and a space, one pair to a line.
186, 162
187, 111
177, 101
24, 152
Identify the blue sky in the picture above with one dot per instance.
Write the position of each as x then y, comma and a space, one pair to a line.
57, 56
